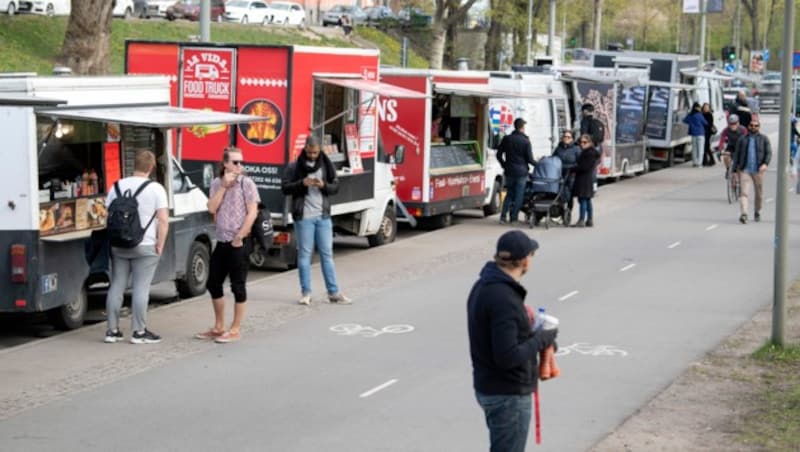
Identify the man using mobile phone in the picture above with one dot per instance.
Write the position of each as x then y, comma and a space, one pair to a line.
234, 203
310, 181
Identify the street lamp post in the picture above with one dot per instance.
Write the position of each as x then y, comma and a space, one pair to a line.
702, 31
530, 32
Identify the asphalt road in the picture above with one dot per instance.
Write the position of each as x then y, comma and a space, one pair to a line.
666, 274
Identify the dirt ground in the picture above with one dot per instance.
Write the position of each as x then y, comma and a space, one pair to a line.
717, 404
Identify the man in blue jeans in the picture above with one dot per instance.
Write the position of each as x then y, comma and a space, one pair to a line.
514, 155
310, 181
503, 348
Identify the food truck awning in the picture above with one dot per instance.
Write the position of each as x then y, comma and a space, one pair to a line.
162, 117
26, 99
380, 88
675, 86
627, 77
706, 74
482, 90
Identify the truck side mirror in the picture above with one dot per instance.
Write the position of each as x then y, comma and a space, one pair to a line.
399, 154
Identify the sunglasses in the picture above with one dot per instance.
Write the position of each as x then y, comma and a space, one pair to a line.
755, 126
583, 142
567, 136
236, 162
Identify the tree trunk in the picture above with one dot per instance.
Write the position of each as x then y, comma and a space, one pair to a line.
86, 42
450, 57
493, 41
438, 38
751, 7
598, 23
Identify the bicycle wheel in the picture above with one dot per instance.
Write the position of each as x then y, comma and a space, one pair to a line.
729, 186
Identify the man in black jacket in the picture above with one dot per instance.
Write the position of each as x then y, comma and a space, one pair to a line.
502, 346
514, 155
310, 181
592, 126
750, 161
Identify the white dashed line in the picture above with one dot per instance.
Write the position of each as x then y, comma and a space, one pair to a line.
569, 295
627, 267
674, 245
712, 227
378, 388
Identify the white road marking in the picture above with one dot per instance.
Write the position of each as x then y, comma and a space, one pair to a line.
569, 295
712, 227
627, 267
378, 388
770, 200
674, 245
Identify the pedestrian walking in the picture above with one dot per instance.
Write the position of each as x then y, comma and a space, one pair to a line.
567, 151
750, 161
234, 202
584, 172
741, 108
503, 348
516, 157
347, 24
710, 130
310, 181
144, 202
697, 130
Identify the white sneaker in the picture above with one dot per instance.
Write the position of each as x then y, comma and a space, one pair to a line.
305, 300
339, 298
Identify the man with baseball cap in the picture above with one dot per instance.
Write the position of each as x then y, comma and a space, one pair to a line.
516, 157
503, 348
728, 139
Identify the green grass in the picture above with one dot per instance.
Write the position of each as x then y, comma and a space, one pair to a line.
32, 43
390, 48
775, 423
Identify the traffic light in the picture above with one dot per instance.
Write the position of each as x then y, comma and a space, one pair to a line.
729, 53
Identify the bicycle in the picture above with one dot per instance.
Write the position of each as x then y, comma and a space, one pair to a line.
732, 187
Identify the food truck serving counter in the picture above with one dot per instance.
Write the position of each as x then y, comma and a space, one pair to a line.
69, 153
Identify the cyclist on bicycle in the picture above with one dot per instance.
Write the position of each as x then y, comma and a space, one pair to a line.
728, 139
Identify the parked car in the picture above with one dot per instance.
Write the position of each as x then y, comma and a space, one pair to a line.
332, 16
157, 8
286, 13
769, 92
415, 17
378, 14
246, 11
45, 7
190, 10
9, 7
123, 8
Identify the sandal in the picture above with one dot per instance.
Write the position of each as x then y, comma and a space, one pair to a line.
230, 336
210, 334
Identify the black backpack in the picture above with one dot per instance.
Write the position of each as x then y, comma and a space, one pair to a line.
123, 225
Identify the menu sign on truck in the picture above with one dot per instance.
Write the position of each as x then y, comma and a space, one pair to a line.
206, 84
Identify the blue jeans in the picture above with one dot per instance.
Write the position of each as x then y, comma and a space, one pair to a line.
508, 418
317, 230
515, 191
587, 212
139, 264
698, 147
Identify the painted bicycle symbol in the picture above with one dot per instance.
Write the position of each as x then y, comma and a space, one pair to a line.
354, 329
592, 350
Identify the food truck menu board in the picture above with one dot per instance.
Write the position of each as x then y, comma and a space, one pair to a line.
134, 139
630, 109
72, 215
457, 154
657, 113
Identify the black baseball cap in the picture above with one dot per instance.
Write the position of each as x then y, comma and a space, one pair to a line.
515, 245
587, 107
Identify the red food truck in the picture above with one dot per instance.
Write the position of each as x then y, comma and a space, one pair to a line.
450, 160
332, 93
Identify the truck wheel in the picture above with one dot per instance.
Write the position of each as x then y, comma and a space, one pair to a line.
71, 315
388, 230
197, 266
494, 204
440, 221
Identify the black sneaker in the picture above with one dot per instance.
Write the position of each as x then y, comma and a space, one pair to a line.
146, 337
113, 336
589, 223
757, 217
743, 218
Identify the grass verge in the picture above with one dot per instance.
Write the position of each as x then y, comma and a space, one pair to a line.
31, 43
774, 422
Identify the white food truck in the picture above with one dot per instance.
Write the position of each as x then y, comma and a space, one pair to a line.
67, 140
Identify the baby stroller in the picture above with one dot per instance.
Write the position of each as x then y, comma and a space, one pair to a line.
546, 194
